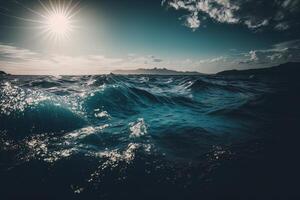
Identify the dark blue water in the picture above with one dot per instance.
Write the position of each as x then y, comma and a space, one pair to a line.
148, 137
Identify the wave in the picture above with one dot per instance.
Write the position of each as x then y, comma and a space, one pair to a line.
202, 85
43, 117
263, 107
62, 104
109, 129
45, 84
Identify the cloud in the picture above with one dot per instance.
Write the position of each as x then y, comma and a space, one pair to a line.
193, 21
214, 60
142, 60
282, 26
16, 60
10, 52
287, 44
279, 53
277, 14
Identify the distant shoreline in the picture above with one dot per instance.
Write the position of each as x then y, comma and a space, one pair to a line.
154, 71
286, 68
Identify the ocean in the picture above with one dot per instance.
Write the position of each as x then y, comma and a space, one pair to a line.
149, 137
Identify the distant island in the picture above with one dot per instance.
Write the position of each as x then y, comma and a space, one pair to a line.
3, 73
290, 69
154, 71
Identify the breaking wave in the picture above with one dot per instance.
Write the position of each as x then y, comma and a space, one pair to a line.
113, 130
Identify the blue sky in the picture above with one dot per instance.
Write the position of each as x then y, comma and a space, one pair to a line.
202, 35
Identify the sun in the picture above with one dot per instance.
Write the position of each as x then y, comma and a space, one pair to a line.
55, 18
58, 25
58, 22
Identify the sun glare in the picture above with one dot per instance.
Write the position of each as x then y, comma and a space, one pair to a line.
58, 25
55, 19
58, 20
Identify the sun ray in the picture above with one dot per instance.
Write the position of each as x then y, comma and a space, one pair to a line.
71, 10
22, 18
55, 19
29, 9
45, 7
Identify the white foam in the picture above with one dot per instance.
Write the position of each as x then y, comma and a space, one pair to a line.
138, 128
103, 114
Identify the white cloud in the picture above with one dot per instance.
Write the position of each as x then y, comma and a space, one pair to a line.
192, 21
220, 10
253, 56
279, 53
11, 52
214, 60
251, 13
17, 60
282, 26
253, 24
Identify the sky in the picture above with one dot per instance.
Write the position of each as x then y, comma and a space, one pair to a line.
99, 36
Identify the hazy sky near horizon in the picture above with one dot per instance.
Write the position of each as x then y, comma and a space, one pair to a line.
104, 35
